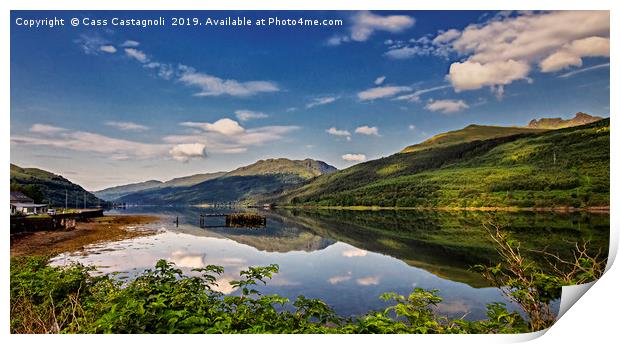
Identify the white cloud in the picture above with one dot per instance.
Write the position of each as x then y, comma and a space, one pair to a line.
83, 141
186, 151
411, 127
130, 44
321, 101
402, 53
224, 126
446, 105
46, 129
213, 86
370, 280
381, 92
90, 44
136, 54
379, 80
246, 115
571, 54
354, 252
415, 96
110, 49
447, 36
227, 136
339, 278
471, 75
354, 157
366, 130
365, 23
583, 70
127, 126
337, 132
504, 49
207, 84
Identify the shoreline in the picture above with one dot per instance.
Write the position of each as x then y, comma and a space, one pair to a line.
566, 209
107, 228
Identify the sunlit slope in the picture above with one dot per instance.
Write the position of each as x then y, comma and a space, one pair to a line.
468, 134
50, 188
566, 167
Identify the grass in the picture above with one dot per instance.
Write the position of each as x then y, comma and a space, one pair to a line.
553, 169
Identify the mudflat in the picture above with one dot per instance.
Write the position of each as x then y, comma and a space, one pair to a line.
96, 230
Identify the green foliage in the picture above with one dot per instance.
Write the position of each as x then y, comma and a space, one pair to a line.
557, 168
46, 187
163, 300
69, 300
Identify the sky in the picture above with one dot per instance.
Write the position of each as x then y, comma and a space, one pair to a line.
106, 105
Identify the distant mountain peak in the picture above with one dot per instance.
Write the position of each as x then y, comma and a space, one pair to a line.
580, 118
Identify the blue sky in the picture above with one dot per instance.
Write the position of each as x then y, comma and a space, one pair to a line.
110, 105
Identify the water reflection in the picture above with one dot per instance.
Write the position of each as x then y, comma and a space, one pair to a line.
347, 258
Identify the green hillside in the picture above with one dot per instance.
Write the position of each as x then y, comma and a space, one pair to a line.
265, 177
117, 192
468, 134
565, 167
47, 187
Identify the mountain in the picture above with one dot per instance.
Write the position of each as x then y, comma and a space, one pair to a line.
193, 179
117, 192
468, 134
558, 123
264, 177
47, 187
564, 167
305, 169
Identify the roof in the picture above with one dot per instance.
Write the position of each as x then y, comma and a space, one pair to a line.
29, 205
17, 196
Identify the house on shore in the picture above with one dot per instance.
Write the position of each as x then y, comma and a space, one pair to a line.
23, 204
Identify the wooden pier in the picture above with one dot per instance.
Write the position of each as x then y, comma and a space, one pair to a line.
236, 220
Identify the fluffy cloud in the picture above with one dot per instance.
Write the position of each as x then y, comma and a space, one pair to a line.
379, 80
213, 86
130, 44
447, 36
571, 54
471, 75
446, 105
504, 49
366, 130
337, 132
246, 115
186, 151
381, 92
321, 101
354, 157
136, 54
127, 126
365, 23
110, 49
224, 126
228, 136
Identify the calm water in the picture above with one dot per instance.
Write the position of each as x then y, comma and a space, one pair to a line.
348, 258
